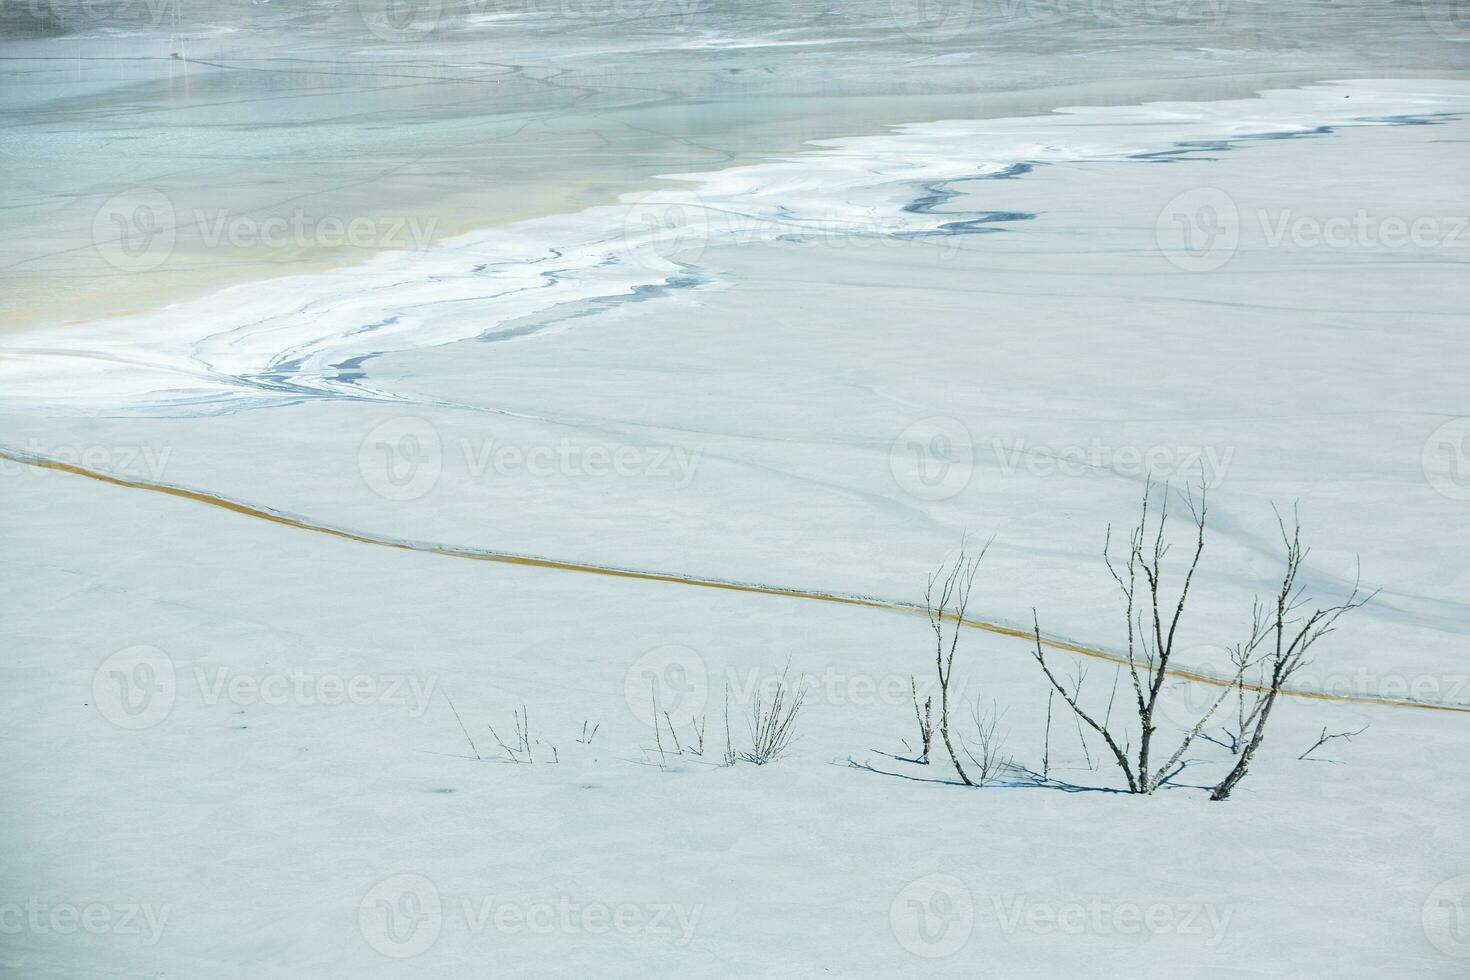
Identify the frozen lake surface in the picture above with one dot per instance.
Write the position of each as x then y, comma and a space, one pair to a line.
692, 318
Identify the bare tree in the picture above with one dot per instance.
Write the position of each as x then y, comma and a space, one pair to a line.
946, 608
1289, 635
1152, 620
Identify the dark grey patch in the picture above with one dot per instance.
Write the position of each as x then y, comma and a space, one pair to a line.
940, 193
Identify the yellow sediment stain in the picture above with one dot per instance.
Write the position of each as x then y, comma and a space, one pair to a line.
532, 561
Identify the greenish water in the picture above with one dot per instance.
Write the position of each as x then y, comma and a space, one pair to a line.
271, 139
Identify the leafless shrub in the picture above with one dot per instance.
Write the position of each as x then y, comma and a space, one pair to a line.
586, 737
773, 725
1274, 650
1152, 624
946, 598
522, 743
926, 722
1288, 636
985, 748
698, 725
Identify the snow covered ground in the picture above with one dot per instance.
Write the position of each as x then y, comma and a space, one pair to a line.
252, 668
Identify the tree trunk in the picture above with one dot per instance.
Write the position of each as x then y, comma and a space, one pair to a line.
1222, 791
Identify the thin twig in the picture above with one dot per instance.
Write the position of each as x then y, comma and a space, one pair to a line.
1325, 738
657, 738
462, 728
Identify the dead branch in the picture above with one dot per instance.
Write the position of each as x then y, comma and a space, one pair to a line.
1291, 635
946, 609
1324, 738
